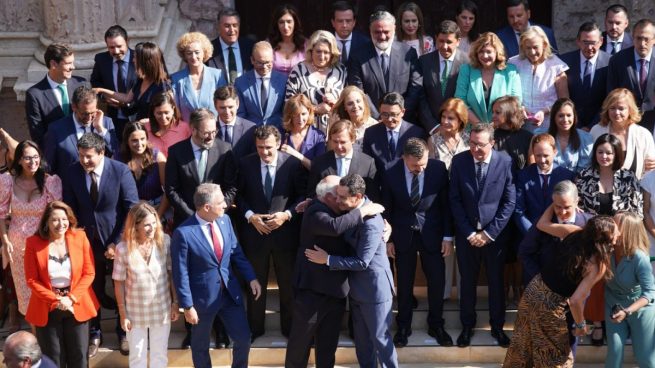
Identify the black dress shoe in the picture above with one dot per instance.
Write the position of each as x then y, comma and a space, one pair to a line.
400, 338
254, 336
186, 342
414, 302
222, 340
500, 337
464, 338
94, 345
441, 336
123, 345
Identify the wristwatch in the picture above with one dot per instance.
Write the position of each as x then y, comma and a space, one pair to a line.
188, 308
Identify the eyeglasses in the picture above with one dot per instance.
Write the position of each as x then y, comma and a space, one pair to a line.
263, 63
31, 158
390, 115
478, 145
87, 114
208, 134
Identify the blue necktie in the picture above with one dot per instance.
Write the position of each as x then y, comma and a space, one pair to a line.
392, 144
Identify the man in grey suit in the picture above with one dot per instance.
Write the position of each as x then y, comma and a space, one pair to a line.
370, 279
615, 37
439, 70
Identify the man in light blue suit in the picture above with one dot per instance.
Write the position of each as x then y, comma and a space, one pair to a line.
261, 107
204, 251
371, 281
518, 17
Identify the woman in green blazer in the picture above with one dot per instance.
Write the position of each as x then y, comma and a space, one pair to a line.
487, 78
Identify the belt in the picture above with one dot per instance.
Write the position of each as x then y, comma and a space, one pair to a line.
61, 291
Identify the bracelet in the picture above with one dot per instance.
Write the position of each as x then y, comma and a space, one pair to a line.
580, 325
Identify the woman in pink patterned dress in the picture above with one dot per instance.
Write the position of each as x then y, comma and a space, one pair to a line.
24, 192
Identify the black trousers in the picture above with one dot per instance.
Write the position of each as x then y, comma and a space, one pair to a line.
64, 340
103, 267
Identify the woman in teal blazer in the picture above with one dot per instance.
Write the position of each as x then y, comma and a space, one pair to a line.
487, 78
631, 290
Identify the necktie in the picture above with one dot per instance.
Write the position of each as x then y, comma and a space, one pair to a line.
414, 195
444, 77
120, 77
342, 167
93, 190
586, 80
216, 240
615, 47
544, 184
268, 184
392, 144
228, 133
202, 165
643, 76
231, 64
344, 52
384, 64
480, 176
65, 103
263, 96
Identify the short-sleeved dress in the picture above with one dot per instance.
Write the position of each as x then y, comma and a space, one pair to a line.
173, 135
25, 217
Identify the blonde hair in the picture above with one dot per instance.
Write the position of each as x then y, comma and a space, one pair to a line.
292, 108
339, 107
532, 33
488, 39
190, 37
135, 216
326, 37
633, 234
612, 98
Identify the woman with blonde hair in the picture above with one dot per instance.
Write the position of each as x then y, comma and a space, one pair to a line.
143, 285
301, 139
352, 105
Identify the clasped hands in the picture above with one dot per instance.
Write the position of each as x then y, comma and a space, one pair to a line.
264, 223
479, 239
65, 304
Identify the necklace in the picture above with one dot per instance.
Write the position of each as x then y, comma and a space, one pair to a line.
145, 249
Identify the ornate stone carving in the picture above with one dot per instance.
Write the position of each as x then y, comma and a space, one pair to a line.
21, 16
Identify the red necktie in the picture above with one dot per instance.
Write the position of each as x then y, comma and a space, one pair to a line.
216, 240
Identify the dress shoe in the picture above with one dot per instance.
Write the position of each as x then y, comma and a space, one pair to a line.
441, 336
94, 344
222, 340
464, 338
254, 336
124, 346
400, 338
499, 335
414, 302
186, 342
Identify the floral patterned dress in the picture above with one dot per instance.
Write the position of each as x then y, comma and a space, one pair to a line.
25, 217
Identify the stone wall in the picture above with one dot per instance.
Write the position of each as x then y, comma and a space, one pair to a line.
204, 14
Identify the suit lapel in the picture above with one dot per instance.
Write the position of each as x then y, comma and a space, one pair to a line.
227, 242
187, 89
478, 90
376, 69
49, 95
107, 179
204, 246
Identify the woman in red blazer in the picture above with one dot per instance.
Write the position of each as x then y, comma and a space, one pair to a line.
59, 269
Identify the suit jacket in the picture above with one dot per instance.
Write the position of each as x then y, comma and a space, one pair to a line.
42, 108
187, 100
622, 72
376, 143
47, 362
470, 88
197, 274
364, 71
102, 76
493, 207
60, 145
530, 200
587, 101
358, 41
43, 299
627, 42
243, 139
250, 102
361, 163
431, 96
320, 226
289, 188
182, 176
431, 215
117, 193
245, 49
507, 36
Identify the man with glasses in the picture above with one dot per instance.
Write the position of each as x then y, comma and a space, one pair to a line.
482, 200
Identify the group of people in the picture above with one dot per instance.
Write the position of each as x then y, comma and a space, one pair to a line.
335, 157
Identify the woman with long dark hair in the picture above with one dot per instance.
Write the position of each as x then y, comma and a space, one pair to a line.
573, 145
287, 38
164, 124
410, 28
466, 18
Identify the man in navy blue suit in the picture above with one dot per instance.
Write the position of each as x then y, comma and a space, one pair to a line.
534, 184
615, 37
205, 250
415, 198
370, 279
261, 90
344, 20
21, 349
114, 70
518, 17
482, 199
231, 52
100, 191
61, 140
232, 129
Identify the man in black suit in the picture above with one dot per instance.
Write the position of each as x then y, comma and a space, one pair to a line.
386, 66
587, 75
49, 100
615, 37
231, 52
236, 131
632, 68
114, 70
439, 71
344, 20
518, 19
415, 198
344, 159
385, 141
271, 184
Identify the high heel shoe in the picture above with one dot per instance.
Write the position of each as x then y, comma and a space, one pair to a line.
600, 341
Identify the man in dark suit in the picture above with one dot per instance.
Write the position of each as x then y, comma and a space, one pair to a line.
518, 17
320, 294
231, 52
587, 75
415, 198
615, 37
100, 191
271, 184
232, 129
370, 279
114, 70
344, 20
384, 142
205, 253
21, 349
632, 68
439, 71
386, 66
49, 100
482, 199
343, 159
261, 90
535, 183
61, 140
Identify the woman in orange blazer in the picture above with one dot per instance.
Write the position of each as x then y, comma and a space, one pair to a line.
59, 269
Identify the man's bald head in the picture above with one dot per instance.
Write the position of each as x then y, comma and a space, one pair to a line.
21, 347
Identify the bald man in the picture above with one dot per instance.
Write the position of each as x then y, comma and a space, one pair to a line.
22, 350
